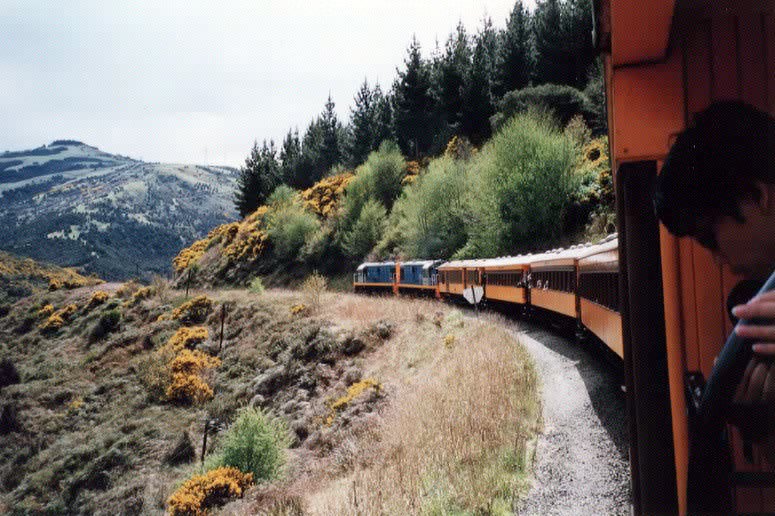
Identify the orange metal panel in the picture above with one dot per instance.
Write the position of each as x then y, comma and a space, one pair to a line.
647, 109
506, 293
605, 323
672, 282
630, 43
556, 301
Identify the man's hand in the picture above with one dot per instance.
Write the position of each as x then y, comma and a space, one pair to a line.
760, 307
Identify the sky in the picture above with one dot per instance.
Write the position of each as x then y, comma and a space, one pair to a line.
197, 81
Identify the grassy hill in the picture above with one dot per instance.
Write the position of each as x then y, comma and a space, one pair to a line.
20, 277
391, 405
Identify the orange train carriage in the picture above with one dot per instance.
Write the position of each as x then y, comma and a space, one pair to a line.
666, 60
577, 285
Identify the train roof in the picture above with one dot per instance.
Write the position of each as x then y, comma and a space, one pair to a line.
375, 264
552, 257
425, 263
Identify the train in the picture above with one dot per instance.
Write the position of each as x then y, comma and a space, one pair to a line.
663, 63
577, 287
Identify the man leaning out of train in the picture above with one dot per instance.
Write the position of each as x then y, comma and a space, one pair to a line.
718, 187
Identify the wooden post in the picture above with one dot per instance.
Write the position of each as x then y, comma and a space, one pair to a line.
188, 282
223, 319
204, 443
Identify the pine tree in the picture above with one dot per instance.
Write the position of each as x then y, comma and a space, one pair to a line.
383, 117
515, 55
552, 60
309, 169
290, 155
453, 69
331, 149
413, 104
362, 125
477, 100
248, 183
258, 178
563, 42
578, 22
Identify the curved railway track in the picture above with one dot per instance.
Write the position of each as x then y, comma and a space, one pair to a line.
581, 458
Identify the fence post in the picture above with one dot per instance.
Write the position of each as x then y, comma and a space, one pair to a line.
223, 319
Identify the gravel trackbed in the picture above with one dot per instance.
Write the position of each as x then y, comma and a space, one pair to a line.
581, 459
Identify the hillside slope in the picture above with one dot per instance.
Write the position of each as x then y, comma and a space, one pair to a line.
75, 205
381, 395
20, 277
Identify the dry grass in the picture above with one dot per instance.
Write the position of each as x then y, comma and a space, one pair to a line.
456, 435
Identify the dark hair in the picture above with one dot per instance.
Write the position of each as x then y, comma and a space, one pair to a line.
714, 165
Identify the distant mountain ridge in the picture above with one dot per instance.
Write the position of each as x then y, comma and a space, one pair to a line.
74, 205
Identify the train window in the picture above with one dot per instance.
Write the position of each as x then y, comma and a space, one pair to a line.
562, 281
601, 288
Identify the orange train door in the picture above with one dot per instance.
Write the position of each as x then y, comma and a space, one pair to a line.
664, 62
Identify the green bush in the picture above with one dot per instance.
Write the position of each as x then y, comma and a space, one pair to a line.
563, 101
378, 179
520, 187
256, 286
283, 195
430, 217
367, 231
289, 228
255, 443
107, 323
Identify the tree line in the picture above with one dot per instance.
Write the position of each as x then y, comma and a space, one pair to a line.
468, 87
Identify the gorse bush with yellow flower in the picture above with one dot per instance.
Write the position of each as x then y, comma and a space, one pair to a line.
178, 373
187, 384
207, 491
353, 391
96, 299
324, 196
58, 319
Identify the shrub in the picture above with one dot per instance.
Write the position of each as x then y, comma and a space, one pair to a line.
58, 319
313, 288
187, 338
298, 308
379, 180
429, 220
203, 492
289, 226
256, 286
52, 324
127, 289
54, 284
97, 299
194, 311
366, 232
520, 188
46, 311
353, 391
107, 323
161, 287
256, 443
138, 295
8, 373
187, 384
564, 102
